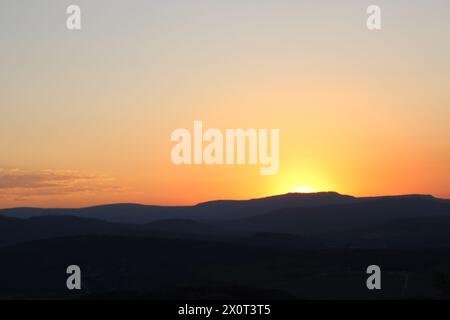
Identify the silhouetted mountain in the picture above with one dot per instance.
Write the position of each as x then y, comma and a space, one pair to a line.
214, 210
408, 233
335, 218
13, 230
127, 213
184, 226
319, 246
325, 215
234, 209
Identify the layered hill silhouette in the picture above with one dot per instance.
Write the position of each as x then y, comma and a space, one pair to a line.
287, 246
290, 219
333, 218
212, 210
220, 210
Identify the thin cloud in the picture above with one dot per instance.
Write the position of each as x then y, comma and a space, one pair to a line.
22, 184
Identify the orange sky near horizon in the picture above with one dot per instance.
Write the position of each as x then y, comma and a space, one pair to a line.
86, 117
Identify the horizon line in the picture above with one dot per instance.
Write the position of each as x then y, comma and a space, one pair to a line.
217, 200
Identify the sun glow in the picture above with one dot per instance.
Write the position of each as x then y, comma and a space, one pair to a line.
308, 180
304, 189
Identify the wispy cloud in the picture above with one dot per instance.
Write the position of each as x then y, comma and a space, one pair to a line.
22, 184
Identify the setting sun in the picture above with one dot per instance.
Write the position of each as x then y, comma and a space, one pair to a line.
304, 189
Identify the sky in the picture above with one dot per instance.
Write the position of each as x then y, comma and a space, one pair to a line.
86, 116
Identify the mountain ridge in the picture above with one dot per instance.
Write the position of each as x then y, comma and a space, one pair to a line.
216, 210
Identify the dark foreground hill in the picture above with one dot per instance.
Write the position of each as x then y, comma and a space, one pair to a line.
290, 246
126, 267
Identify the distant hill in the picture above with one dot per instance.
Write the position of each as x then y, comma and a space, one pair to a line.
14, 230
183, 226
407, 233
291, 220
17, 230
214, 210
293, 245
127, 213
334, 218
